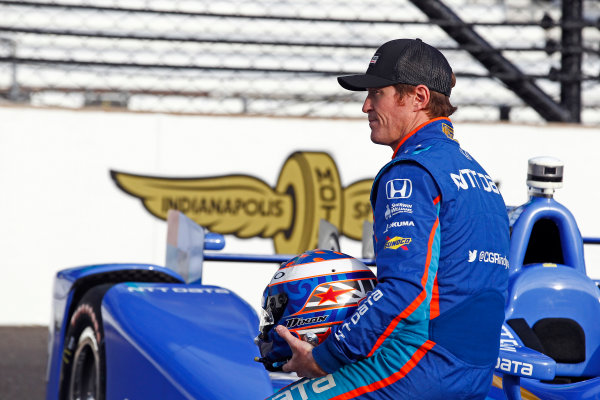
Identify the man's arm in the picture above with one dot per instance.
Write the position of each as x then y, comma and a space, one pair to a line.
406, 232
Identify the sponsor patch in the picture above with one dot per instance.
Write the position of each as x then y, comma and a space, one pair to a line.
360, 311
398, 224
397, 242
468, 179
299, 321
397, 208
398, 189
448, 131
374, 59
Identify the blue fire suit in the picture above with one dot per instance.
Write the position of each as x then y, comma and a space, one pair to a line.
431, 327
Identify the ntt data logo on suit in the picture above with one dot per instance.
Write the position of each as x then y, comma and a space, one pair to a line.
398, 189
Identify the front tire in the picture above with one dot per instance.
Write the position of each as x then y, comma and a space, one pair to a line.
84, 365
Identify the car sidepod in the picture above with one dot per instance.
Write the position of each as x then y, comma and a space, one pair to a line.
180, 341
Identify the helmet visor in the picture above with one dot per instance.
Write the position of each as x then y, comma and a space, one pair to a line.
273, 309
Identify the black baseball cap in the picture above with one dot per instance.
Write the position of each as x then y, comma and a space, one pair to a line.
408, 61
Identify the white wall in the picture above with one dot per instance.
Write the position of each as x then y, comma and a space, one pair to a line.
61, 209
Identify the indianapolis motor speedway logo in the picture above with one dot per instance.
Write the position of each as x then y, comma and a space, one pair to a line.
308, 190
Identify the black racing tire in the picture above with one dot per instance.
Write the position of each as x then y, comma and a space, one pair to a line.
83, 371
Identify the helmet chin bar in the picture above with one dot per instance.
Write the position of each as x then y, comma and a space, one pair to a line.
266, 347
274, 307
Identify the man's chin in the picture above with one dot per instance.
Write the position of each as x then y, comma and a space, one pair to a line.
377, 140
374, 137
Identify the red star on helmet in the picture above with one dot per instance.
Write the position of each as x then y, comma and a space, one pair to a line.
331, 295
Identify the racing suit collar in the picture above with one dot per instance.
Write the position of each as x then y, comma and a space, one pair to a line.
427, 128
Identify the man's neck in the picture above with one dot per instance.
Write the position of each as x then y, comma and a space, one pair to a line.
420, 119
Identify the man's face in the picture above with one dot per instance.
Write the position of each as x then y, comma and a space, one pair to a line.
389, 116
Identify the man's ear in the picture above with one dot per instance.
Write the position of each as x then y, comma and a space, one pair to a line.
422, 96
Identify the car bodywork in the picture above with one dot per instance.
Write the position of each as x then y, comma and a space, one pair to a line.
550, 340
165, 337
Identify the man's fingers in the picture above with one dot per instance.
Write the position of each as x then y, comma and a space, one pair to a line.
286, 367
302, 361
287, 336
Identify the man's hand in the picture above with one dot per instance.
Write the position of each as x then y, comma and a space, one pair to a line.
302, 361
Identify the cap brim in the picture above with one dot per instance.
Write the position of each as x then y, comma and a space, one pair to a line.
363, 82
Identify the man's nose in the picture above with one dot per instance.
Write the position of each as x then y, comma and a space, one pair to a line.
366, 105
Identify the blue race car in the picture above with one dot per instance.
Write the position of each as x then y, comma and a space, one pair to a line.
139, 331
550, 339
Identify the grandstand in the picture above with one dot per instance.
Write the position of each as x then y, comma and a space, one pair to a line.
516, 60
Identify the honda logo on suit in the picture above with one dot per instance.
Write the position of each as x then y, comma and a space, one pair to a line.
398, 188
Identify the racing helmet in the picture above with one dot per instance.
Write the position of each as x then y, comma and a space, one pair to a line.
309, 294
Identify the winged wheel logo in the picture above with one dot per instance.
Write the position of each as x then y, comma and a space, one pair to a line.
308, 189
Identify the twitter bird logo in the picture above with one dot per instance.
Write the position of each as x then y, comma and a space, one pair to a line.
472, 255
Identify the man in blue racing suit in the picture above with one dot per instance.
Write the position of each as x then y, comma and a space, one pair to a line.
431, 327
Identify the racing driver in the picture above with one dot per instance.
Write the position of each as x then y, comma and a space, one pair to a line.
431, 327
